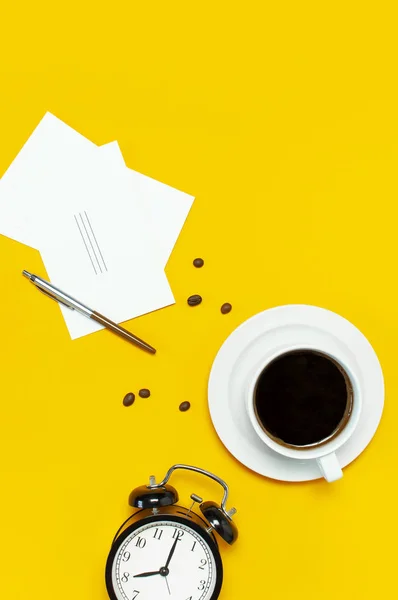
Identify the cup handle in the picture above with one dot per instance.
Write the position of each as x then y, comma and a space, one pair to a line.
329, 467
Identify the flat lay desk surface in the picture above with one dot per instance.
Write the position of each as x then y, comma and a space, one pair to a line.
283, 122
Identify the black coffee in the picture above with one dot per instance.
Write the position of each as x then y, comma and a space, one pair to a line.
302, 397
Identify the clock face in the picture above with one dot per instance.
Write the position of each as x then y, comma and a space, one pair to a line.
165, 560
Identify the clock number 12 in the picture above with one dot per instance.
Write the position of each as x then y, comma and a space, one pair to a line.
178, 533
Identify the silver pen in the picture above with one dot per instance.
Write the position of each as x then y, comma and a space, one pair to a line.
56, 294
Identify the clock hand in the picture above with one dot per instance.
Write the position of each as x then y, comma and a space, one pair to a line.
164, 570
171, 553
149, 574
168, 587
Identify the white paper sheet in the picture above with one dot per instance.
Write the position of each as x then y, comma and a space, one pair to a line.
118, 295
105, 232
165, 207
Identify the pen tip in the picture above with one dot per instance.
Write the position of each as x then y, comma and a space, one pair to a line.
27, 274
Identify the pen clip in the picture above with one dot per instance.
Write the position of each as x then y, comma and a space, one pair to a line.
54, 298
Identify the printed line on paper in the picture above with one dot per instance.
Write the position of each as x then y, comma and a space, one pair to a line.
91, 243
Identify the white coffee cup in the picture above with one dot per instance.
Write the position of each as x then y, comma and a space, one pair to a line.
324, 452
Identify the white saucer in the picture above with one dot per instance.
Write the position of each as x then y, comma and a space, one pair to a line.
243, 350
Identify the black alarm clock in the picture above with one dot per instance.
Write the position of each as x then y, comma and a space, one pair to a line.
165, 551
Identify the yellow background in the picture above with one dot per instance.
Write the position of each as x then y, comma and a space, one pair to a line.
282, 119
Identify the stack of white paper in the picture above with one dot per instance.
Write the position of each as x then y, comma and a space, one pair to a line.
105, 232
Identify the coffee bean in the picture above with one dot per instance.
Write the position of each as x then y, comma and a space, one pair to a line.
226, 308
184, 406
129, 398
194, 300
144, 393
198, 263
